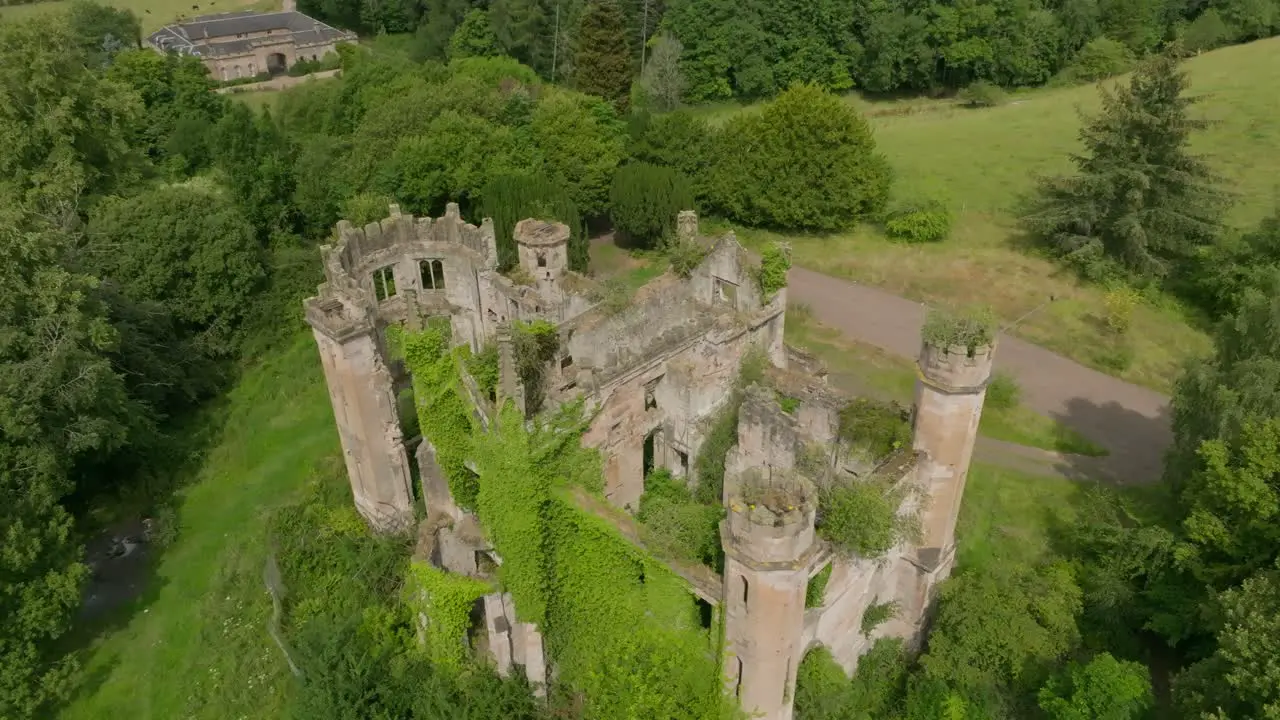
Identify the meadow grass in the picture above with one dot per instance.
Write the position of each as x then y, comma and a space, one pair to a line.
195, 645
867, 370
980, 162
1011, 518
153, 14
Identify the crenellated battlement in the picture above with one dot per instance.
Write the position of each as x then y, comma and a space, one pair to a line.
770, 517
956, 369
361, 249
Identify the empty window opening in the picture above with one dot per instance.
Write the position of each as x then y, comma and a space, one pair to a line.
384, 282
650, 394
566, 362
649, 443
432, 273
706, 614
684, 462
542, 260
515, 309
724, 292
746, 588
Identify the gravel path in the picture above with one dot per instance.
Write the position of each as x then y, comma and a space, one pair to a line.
1131, 422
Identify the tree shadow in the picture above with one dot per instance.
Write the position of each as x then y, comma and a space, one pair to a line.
123, 555
1136, 443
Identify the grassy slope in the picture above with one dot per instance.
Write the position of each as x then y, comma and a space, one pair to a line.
980, 161
196, 647
154, 14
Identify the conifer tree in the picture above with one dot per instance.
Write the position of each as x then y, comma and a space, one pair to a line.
1140, 203
602, 56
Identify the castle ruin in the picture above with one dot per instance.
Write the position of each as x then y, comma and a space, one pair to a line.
652, 374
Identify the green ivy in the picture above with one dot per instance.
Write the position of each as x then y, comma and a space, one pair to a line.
446, 601
678, 525
535, 344
774, 264
622, 628
444, 414
483, 366
817, 587
722, 432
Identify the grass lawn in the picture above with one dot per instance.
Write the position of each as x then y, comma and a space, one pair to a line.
196, 646
981, 160
1011, 518
154, 14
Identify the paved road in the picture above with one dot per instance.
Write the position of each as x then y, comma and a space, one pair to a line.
1131, 422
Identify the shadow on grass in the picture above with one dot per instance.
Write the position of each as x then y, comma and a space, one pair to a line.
123, 554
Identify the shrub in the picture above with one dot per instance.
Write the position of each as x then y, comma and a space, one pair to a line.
877, 614
972, 328
817, 587
1120, 302
859, 517
878, 427
677, 524
919, 222
806, 161
774, 264
1003, 392
983, 94
1101, 58
645, 200
1206, 32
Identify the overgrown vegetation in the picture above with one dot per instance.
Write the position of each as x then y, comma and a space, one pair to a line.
816, 590
534, 344
775, 261
971, 328
722, 433
873, 427
860, 517
678, 525
511, 197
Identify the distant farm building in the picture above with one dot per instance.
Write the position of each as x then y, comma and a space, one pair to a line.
246, 44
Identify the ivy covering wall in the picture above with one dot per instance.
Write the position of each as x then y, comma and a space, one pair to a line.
623, 631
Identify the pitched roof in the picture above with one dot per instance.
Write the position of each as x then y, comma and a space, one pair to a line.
217, 34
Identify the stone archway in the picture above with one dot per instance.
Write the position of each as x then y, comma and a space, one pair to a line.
277, 63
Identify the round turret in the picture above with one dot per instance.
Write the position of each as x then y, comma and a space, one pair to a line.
772, 521
956, 368
543, 247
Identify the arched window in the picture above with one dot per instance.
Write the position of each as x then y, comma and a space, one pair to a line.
252, 69
237, 71
431, 273
542, 260
384, 283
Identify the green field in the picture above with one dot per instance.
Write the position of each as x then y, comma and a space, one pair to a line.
980, 160
153, 14
196, 645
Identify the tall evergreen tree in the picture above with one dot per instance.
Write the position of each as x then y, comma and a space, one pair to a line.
1140, 202
474, 37
602, 57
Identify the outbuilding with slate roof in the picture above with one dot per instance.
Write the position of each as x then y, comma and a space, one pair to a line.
246, 44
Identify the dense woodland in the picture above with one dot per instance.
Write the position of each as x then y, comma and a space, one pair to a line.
158, 238
728, 49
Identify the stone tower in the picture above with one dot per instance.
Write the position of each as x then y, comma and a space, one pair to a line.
543, 249
768, 537
948, 405
770, 546
364, 407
